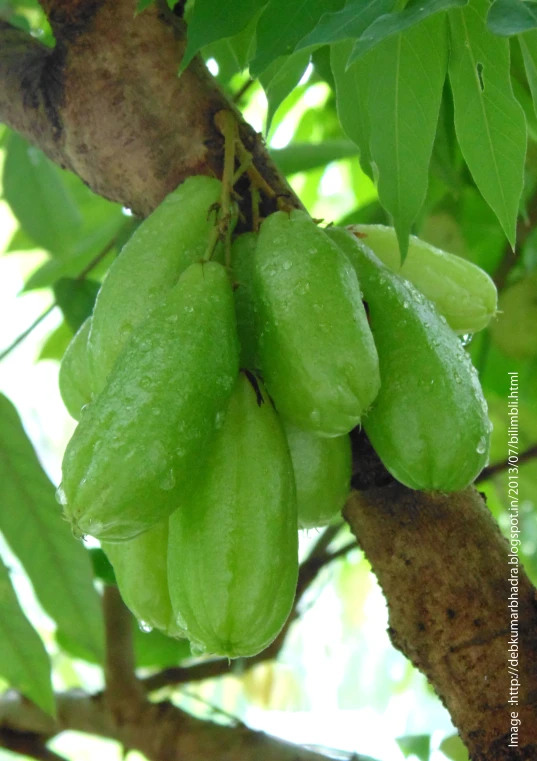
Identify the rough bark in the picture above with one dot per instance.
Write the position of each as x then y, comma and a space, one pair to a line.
443, 566
107, 102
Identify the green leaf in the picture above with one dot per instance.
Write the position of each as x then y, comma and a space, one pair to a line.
300, 157
352, 88
58, 566
415, 745
76, 299
36, 190
489, 121
56, 343
213, 20
507, 17
394, 23
280, 78
141, 5
24, 662
454, 748
528, 44
352, 21
403, 109
282, 25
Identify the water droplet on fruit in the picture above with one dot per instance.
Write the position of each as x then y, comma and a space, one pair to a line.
173, 318
443, 319
145, 381
197, 649
405, 304
168, 482
466, 338
144, 627
315, 417
189, 310
60, 495
287, 266
125, 328
482, 445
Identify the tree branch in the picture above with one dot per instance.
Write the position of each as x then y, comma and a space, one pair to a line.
107, 102
161, 731
444, 568
500, 467
123, 692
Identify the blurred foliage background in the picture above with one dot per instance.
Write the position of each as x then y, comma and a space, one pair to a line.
338, 683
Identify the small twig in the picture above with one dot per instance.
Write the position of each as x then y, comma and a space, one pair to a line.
28, 744
244, 89
213, 708
123, 691
81, 276
500, 467
26, 333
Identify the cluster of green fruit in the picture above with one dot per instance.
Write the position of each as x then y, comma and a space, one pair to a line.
193, 476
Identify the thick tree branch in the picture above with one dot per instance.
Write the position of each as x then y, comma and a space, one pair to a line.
161, 731
107, 102
123, 692
443, 566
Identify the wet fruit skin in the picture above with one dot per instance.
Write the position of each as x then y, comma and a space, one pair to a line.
322, 469
429, 424
74, 377
140, 567
174, 236
460, 290
317, 354
232, 552
142, 440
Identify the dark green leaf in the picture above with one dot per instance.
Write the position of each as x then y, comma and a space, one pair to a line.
280, 78
102, 567
36, 190
24, 662
141, 5
351, 21
394, 23
282, 25
403, 110
528, 44
489, 121
415, 745
320, 59
213, 20
76, 299
57, 342
57, 564
299, 157
507, 17
352, 89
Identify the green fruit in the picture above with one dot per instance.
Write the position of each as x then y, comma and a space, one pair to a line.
242, 259
174, 236
232, 553
429, 424
140, 567
460, 290
141, 441
317, 354
74, 378
322, 469
514, 331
